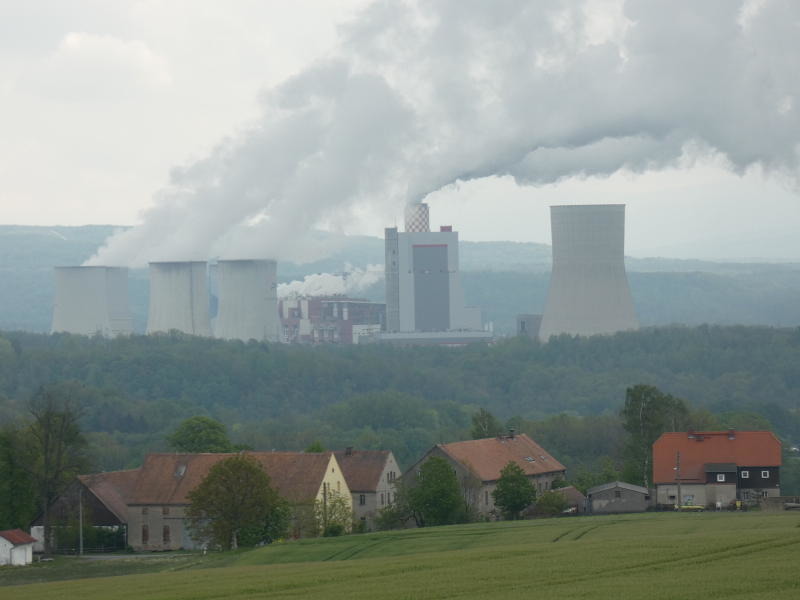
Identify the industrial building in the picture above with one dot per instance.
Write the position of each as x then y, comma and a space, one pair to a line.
589, 291
330, 320
247, 300
179, 298
423, 286
92, 301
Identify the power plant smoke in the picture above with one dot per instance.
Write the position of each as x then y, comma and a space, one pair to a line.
351, 282
424, 94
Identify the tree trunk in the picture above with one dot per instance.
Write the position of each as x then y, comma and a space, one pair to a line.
234, 541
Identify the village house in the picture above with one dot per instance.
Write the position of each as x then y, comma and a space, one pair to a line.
16, 548
716, 468
150, 502
478, 463
371, 476
617, 497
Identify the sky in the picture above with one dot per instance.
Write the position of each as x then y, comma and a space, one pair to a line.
231, 128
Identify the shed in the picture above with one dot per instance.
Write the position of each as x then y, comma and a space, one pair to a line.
617, 497
16, 547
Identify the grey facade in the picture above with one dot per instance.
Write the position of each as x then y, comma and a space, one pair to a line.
588, 291
617, 497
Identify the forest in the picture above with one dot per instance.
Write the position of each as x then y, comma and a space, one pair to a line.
568, 392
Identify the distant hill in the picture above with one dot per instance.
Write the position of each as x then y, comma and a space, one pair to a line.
503, 278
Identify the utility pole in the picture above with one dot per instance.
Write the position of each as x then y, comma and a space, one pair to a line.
80, 520
678, 478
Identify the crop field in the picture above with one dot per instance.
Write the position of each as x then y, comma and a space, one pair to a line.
653, 556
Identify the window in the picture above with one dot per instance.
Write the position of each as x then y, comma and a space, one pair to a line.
338, 486
165, 534
486, 497
381, 498
145, 534
720, 477
144, 510
165, 510
764, 474
617, 494
745, 474
362, 499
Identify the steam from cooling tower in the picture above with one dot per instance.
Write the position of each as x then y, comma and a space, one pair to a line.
350, 282
423, 94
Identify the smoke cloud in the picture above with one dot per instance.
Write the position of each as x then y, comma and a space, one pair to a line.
351, 282
427, 93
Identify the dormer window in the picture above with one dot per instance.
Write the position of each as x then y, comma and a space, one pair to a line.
180, 470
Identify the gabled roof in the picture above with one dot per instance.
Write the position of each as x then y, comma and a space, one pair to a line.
362, 468
17, 537
617, 484
698, 448
572, 495
114, 489
168, 478
487, 457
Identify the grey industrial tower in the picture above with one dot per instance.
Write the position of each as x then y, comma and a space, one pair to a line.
589, 291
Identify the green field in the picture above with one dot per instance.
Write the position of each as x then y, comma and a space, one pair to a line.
653, 556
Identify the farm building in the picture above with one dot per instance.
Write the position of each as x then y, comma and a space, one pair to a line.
617, 497
16, 547
371, 476
716, 467
478, 463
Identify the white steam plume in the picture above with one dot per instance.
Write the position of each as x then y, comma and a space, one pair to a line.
427, 93
351, 282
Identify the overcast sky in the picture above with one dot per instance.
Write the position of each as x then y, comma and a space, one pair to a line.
228, 128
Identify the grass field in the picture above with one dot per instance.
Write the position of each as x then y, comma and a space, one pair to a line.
653, 556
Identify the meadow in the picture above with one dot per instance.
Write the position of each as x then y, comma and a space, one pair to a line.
657, 556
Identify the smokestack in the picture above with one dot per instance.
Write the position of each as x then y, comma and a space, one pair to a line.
589, 291
179, 298
91, 301
417, 218
248, 300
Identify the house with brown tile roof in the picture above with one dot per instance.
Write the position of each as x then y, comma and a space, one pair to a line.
478, 463
716, 467
371, 476
156, 511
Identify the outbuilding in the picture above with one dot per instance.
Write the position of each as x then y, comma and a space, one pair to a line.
617, 497
16, 547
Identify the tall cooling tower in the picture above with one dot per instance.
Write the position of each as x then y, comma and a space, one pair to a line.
179, 298
248, 300
589, 291
92, 300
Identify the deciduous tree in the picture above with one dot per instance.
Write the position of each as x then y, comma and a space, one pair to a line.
484, 425
514, 491
435, 499
200, 434
235, 496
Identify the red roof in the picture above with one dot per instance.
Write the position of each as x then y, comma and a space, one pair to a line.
362, 468
487, 457
114, 489
697, 448
168, 478
17, 537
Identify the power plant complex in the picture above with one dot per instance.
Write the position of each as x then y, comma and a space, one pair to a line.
588, 292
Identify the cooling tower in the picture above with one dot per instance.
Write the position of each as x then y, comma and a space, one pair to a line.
248, 300
589, 291
179, 298
92, 300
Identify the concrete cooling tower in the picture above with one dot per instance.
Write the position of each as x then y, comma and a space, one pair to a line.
179, 298
248, 300
589, 291
91, 301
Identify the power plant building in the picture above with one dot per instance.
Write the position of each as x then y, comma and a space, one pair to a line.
423, 286
179, 298
92, 301
247, 300
589, 292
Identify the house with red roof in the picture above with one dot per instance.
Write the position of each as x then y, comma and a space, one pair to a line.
371, 477
16, 547
478, 463
716, 468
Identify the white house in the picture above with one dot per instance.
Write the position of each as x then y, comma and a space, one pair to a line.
16, 547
